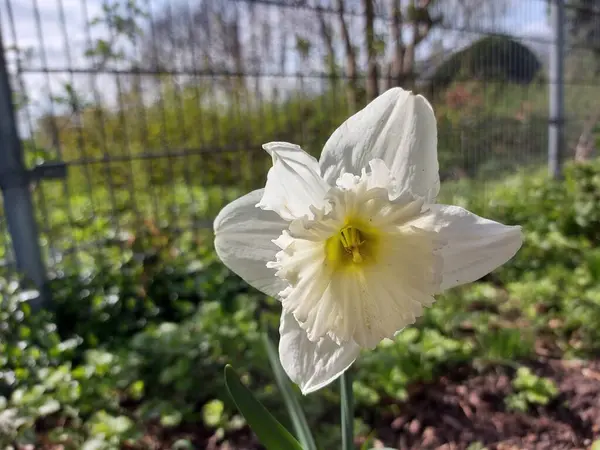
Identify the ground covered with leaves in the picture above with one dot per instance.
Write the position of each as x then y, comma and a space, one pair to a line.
472, 409
468, 409
132, 354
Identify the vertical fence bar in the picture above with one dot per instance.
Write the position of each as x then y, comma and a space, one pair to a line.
556, 126
14, 182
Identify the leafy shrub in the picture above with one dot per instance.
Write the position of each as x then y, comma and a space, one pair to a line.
530, 390
163, 315
490, 58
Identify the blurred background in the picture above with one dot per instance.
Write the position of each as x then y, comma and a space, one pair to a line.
128, 124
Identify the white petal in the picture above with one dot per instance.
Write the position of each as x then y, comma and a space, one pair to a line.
395, 291
312, 365
293, 183
474, 246
243, 241
398, 128
330, 296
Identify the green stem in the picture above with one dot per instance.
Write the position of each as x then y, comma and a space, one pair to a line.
347, 411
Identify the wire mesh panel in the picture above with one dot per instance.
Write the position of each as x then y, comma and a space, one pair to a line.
159, 108
7, 258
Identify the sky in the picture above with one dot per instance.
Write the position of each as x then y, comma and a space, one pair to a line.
524, 17
54, 39
529, 16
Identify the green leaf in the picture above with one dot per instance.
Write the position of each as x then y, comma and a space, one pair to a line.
50, 407
94, 444
595, 445
105, 424
289, 397
269, 431
171, 419
347, 411
212, 413
183, 444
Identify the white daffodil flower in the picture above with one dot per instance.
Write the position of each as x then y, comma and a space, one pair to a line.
354, 245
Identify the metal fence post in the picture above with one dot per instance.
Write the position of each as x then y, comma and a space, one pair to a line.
556, 126
14, 182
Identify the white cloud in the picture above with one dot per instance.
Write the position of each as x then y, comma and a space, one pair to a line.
539, 30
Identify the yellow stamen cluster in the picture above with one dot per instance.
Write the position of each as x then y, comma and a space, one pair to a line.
355, 244
351, 240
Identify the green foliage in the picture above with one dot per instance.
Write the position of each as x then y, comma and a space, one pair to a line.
221, 143
270, 432
415, 355
490, 58
157, 312
189, 138
143, 324
288, 393
530, 390
148, 287
582, 27
117, 340
477, 446
553, 279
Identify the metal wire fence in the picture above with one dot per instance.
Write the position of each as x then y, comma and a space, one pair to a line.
158, 108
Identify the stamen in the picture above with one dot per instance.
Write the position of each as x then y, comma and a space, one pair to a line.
351, 240
356, 255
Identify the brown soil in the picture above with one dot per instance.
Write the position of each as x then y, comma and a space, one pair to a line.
464, 407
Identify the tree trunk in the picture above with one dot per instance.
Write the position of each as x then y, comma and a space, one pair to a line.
421, 27
372, 79
255, 56
237, 55
350, 58
409, 53
396, 67
586, 145
326, 34
283, 52
386, 75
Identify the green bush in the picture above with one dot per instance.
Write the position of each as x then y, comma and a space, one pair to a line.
530, 390
106, 377
188, 138
493, 58
558, 268
139, 334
